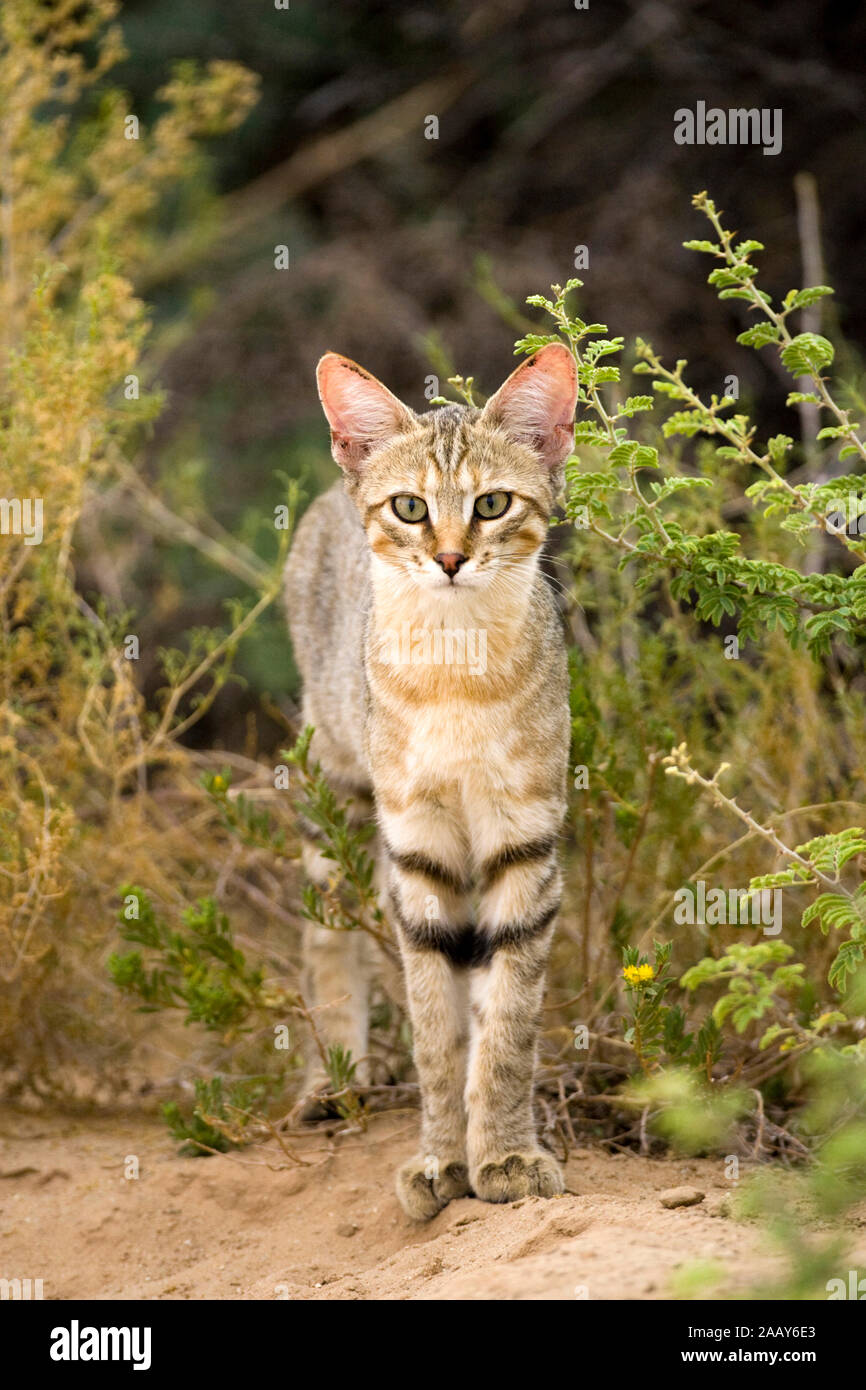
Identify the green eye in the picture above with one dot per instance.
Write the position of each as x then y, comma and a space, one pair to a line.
492, 504
409, 508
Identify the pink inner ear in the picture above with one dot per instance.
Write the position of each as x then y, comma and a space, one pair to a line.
536, 404
362, 413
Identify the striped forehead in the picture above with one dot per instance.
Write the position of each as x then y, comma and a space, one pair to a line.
449, 435
451, 474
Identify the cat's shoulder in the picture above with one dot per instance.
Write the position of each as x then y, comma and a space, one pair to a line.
329, 525
331, 508
328, 562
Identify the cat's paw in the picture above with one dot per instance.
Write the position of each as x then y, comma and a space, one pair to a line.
531, 1174
425, 1186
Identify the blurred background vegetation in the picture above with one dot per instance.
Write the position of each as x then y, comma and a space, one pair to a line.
555, 130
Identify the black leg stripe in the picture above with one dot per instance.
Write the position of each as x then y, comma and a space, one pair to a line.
549, 877
466, 945
414, 862
457, 944
513, 934
526, 853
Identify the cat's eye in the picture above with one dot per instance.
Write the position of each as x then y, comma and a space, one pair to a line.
409, 508
492, 504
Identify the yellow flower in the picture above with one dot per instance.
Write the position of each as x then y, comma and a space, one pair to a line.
637, 974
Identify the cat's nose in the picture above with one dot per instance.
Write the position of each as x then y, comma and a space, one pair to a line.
450, 561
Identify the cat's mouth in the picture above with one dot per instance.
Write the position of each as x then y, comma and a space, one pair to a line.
442, 583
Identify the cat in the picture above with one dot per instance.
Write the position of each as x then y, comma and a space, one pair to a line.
435, 534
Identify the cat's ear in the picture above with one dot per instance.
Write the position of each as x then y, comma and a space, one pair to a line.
362, 413
536, 404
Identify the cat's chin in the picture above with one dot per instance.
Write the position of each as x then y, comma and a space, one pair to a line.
448, 587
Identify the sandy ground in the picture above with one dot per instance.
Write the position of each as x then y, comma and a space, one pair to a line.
254, 1225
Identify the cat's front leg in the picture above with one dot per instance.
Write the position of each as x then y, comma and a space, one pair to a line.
430, 905
521, 890
438, 1010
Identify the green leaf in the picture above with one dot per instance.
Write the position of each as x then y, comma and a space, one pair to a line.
778, 446
730, 274
798, 299
623, 454
831, 910
602, 348
807, 354
533, 341
688, 422
635, 403
646, 457
588, 432
759, 335
837, 431
848, 958
830, 853
669, 388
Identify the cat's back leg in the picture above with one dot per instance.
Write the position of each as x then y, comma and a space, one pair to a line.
336, 964
325, 587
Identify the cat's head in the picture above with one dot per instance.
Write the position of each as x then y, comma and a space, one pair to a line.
456, 497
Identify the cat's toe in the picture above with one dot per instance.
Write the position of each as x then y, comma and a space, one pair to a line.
533, 1174
423, 1189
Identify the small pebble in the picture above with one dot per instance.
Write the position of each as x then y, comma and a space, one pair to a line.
347, 1229
681, 1197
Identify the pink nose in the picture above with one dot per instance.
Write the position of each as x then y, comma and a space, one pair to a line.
450, 562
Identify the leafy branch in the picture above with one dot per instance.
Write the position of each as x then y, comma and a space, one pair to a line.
643, 520
349, 902
817, 863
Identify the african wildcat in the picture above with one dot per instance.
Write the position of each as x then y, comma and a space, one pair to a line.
432, 551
